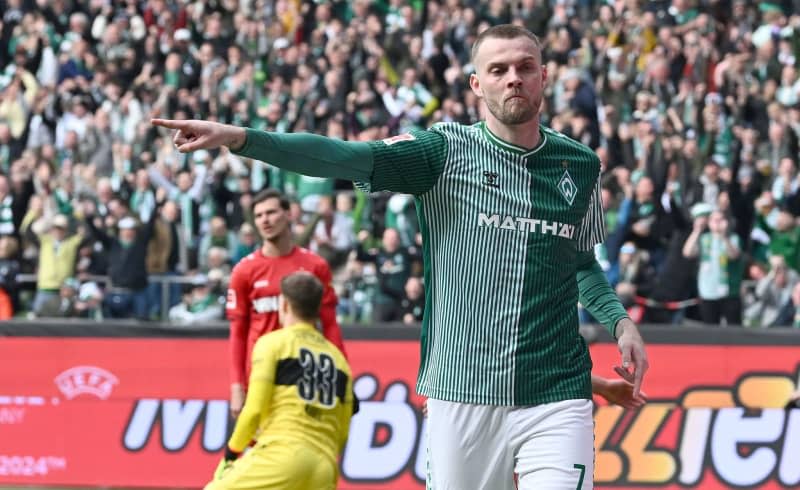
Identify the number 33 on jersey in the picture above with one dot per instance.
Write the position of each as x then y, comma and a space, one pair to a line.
303, 386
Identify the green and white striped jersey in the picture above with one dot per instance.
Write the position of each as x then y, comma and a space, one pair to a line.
502, 227
508, 235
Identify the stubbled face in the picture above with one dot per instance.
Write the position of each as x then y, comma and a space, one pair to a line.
509, 78
271, 220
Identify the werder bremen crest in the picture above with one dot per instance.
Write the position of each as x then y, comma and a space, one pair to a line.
567, 187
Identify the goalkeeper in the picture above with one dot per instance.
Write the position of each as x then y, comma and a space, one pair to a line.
299, 401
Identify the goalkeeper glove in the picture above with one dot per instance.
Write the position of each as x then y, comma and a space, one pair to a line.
227, 462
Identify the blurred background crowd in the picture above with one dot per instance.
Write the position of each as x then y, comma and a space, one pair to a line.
693, 107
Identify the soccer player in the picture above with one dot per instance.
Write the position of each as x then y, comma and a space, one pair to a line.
252, 302
299, 402
510, 213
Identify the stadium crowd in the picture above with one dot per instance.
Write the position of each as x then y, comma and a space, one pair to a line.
693, 107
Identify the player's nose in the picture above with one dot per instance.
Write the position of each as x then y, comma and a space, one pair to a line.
513, 79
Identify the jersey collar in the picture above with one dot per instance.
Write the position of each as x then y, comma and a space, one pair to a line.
301, 325
517, 150
293, 251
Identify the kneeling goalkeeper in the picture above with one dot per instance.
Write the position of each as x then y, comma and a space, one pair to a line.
298, 405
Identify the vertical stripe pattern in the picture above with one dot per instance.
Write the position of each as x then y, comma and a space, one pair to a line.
501, 227
593, 229
550, 346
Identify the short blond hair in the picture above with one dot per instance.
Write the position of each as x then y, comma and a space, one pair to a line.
503, 31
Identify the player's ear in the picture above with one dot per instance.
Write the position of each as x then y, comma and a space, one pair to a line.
475, 85
544, 74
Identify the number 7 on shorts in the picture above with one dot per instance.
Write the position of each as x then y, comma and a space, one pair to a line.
583, 472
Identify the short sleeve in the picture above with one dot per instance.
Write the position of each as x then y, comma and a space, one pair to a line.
410, 163
237, 304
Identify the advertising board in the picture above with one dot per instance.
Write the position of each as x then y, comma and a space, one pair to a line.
152, 412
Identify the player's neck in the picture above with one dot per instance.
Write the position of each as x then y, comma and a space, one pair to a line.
290, 320
523, 135
278, 247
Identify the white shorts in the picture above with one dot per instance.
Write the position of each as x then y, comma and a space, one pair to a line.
484, 447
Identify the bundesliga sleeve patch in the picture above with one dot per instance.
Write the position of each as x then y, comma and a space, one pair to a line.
398, 139
230, 302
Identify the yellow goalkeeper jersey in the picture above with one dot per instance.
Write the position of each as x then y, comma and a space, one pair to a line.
300, 391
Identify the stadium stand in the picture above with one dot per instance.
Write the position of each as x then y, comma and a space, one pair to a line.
693, 107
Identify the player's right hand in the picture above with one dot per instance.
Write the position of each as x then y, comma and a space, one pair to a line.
193, 135
237, 399
634, 355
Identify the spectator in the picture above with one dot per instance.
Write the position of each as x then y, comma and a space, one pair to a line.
642, 221
218, 236
57, 255
393, 266
633, 269
18, 89
413, 303
709, 185
784, 237
401, 215
232, 201
332, 236
188, 193
199, 304
90, 301
218, 259
785, 183
127, 272
357, 292
62, 305
178, 261
676, 281
143, 199
719, 275
772, 296
246, 243
159, 252
14, 198
10, 147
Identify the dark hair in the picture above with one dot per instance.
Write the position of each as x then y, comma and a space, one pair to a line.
503, 31
271, 194
304, 292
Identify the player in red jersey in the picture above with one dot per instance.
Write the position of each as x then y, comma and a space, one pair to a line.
252, 302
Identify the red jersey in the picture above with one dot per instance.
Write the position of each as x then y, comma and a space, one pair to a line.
252, 302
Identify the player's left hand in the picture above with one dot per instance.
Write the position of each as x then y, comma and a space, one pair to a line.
620, 391
634, 356
226, 464
223, 468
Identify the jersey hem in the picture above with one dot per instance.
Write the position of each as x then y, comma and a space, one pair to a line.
475, 399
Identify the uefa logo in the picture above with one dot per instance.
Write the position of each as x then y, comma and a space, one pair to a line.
86, 380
